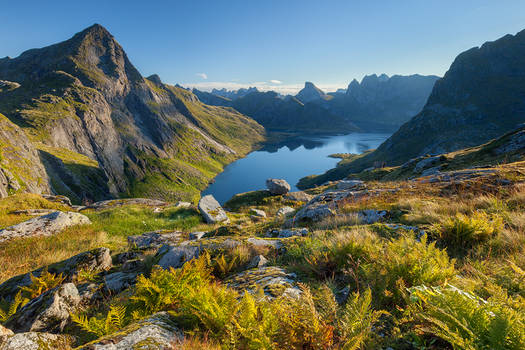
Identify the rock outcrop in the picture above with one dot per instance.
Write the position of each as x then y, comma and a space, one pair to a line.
37, 341
50, 312
45, 225
103, 130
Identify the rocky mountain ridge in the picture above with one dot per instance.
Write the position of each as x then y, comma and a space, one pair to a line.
103, 130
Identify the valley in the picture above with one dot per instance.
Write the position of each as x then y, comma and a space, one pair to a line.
140, 214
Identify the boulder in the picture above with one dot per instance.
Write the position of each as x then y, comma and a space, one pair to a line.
258, 212
45, 225
153, 240
274, 281
155, 332
298, 196
37, 341
277, 186
325, 204
211, 210
94, 260
175, 256
47, 313
285, 211
257, 261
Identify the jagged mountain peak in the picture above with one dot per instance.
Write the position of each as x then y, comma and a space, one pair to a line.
310, 92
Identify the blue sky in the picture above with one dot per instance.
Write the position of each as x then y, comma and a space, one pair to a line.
242, 43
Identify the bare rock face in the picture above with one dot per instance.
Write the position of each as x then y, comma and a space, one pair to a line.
45, 225
94, 260
277, 186
37, 341
50, 312
176, 256
19, 157
211, 210
154, 332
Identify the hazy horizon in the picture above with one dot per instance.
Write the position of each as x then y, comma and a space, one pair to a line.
271, 45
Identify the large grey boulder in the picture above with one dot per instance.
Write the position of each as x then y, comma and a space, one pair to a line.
211, 210
93, 260
50, 312
45, 225
277, 186
37, 341
155, 332
175, 256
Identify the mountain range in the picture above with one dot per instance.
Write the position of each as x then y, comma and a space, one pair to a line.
83, 122
481, 97
378, 103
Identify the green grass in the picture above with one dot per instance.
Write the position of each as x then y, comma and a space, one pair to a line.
132, 220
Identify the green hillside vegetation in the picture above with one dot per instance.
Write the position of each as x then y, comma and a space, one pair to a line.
443, 270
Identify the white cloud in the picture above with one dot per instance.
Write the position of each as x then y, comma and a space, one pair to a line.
202, 75
273, 81
285, 89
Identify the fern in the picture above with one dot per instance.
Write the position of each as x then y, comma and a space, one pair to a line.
469, 322
9, 309
41, 284
114, 320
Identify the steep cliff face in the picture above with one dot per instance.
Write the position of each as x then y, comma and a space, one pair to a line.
20, 166
81, 102
481, 97
382, 102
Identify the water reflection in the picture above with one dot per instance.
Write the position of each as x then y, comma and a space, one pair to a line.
291, 159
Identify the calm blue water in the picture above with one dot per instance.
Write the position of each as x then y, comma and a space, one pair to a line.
290, 160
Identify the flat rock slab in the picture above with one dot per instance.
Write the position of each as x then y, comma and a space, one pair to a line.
45, 225
93, 260
113, 203
155, 332
274, 281
37, 341
270, 243
153, 240
211, 210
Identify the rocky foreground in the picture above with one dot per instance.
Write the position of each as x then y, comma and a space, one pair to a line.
363, 243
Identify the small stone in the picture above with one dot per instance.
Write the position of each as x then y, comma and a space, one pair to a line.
277, 186
197, 235
258, 212
257, 261
285, 211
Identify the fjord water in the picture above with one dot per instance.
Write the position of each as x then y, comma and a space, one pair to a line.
289, 160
